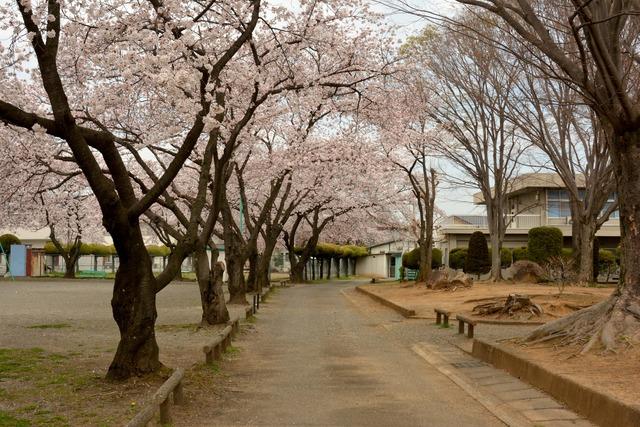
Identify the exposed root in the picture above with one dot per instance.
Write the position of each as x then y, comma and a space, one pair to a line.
513, 304
604, 325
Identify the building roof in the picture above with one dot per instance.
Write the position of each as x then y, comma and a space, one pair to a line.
523, 183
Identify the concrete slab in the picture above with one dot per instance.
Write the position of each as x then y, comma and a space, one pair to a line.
542, 403
550, 414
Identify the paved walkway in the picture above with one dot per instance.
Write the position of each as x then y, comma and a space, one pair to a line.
323, 355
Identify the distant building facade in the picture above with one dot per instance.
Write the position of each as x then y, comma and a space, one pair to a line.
538, 199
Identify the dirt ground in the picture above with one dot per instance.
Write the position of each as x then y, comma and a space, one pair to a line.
462, 300
595, 369
615, 374
57, 339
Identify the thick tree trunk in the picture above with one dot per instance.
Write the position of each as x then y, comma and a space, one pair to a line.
237, 284
134, 308
313, 269
70, 263
426, 255
214, 309
329, 261
584, 255
337, 265
252, 278
496, 259
321, 268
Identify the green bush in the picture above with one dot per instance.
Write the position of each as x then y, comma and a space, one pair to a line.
505, 257
478, 261
520, 254
457, 258
606, 260
436, 258
158, 250
567, 252
411, 259
6, 240
403, 273
544, 243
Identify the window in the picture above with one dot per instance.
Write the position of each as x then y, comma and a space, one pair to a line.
558, 205
612, 198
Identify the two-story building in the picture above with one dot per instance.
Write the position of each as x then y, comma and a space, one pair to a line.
534, 200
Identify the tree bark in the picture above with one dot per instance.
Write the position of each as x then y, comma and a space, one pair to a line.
252, 278
214, 309
329, 261
134, 308
496, 259
584, 255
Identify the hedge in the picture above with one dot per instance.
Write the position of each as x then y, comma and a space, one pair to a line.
544, 243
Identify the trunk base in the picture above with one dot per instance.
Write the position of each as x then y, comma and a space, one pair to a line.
606, 325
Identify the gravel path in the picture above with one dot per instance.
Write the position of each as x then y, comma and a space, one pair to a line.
318, 358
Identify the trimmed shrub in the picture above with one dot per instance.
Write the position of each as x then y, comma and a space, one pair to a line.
520, 254
6, 240
478, 261
606, 261
457, 258
544, 243
505, 257
411, 259
436, 258
158, 250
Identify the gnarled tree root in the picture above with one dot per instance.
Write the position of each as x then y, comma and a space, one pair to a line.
607, 324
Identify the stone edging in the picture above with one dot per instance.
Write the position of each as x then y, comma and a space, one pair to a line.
406, 312
600, 408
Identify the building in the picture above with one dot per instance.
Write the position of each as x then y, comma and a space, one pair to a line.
384, 259
535, 199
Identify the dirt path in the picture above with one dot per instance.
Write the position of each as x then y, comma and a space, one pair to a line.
316, 359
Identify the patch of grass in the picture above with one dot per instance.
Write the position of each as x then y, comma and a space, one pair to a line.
50, 326
8, 420
443, 326
17, 361
251, 319
232, 350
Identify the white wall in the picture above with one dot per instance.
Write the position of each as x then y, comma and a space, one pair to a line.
372, 265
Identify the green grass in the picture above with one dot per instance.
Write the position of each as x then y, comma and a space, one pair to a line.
16, 362
50, 326
8, 420
232, 350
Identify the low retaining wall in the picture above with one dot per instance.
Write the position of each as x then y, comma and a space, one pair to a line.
598, 407
406, 312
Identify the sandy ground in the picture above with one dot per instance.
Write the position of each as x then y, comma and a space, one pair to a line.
57, 339
462, 301
615, 374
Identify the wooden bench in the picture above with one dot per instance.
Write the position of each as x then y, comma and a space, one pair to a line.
440, 313
470, 322
162, 401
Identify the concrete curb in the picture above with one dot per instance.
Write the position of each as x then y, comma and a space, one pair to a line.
406, 312
599, 408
